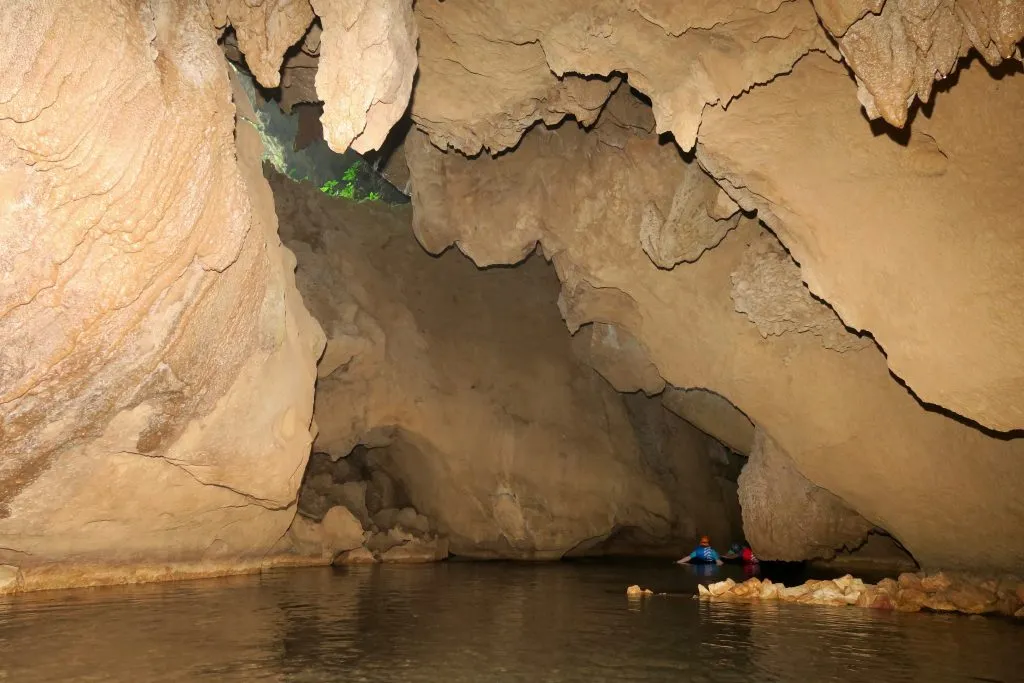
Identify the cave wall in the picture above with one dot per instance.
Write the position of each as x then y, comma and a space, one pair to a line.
147, 305
466, 385
157, 362
821, 392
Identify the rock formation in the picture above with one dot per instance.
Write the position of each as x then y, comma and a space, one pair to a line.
787, 517
466, 387
850, 286
147, 304
823, 395
941, 592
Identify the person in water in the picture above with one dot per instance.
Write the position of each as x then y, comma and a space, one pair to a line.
702, 554
741, 551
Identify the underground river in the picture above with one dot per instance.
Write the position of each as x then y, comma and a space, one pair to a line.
462, 621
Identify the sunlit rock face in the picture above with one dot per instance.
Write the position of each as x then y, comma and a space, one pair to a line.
467, 388
147, 305
733, 322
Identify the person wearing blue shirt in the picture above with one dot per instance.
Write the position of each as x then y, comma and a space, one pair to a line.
702, 554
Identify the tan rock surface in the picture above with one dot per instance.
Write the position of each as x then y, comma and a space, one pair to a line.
847, 426
898, 48
146, 305
497, 433
712, 414
878, 227
264, 29
367, 63
486, 67
786, 517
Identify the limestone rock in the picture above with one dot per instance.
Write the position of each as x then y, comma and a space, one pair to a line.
413, 521
147, 303
385, 519
418, 550
338, 532
380, 493
712, 414
265, 29
845, 423
341, 529
848, 204
502, 463
360, 555
897, 49
367, 63
10, 578
619, 357
786, 517
746, 43
688, 229
352, 495
635, 591
768, 289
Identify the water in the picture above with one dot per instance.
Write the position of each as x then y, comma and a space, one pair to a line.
457, 622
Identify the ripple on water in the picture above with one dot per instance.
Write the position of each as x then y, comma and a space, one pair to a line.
458, 622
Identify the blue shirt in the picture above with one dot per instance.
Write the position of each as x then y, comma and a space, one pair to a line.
704, 554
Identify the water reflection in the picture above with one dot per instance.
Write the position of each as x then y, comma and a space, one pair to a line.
479, 622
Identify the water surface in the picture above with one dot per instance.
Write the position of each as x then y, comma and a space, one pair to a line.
480, 622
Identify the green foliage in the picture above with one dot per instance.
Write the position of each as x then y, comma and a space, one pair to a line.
348, 192
329, 187
373, 197
350, 172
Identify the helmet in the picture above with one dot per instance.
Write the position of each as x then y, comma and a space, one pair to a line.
704, 540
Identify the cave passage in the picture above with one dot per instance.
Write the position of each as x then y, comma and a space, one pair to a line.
432, 335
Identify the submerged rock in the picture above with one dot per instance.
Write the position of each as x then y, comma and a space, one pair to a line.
636, 591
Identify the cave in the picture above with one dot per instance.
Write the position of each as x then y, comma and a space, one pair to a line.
315, 285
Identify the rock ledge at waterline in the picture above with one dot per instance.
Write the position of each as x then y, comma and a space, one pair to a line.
941, 592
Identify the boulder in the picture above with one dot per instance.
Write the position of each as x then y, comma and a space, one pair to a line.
352, 495
412, 520
341, 530
386, 519
935, 582
416, 551
722, 587
910, 600
972, 599
358, 555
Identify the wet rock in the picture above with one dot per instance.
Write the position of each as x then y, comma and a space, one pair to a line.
339, 531
910, 600
910, 581
416, 551
360, 555
722, 587
971, 599
636, 591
